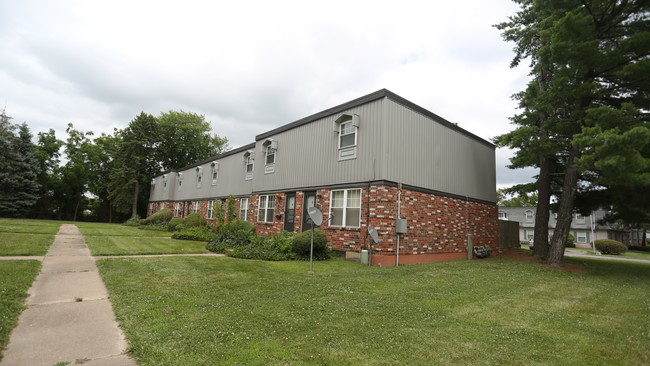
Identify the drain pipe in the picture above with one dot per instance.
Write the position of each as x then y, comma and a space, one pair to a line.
470, 244
399, 216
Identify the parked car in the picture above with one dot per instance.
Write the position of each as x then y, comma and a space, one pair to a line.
531, 244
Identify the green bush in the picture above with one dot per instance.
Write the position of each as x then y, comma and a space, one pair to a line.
175, 224
195, 219
199, 233
302, 242
608, 246
231, 235
133, 221
162, 226
263, 248
570, 242
162, 216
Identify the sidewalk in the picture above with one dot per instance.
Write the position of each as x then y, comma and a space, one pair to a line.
69, 318
579, 253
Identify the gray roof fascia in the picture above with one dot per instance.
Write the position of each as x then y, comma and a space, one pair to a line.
213, 158
383, 93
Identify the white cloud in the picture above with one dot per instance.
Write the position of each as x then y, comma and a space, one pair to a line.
252, 66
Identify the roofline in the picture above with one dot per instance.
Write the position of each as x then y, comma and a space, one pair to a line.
212, 158
383, 93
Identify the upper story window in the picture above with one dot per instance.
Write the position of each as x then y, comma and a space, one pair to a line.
346, 125
243, 209
345, 208
503, 215
269, 148
153, 184
214, 168
580, 219
164, 181
199, 176
266, 208
179, 177
249, 161
529, 215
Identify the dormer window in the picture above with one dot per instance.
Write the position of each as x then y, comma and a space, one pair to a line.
179, 178
269, 147
164, 181
346, 125
153, 184
214, 167
249, 160
199, 176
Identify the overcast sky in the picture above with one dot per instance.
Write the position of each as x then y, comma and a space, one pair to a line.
251, 66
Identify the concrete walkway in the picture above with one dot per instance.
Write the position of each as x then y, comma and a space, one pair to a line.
69, 318
579, 253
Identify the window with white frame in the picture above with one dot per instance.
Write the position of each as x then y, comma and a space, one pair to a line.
529, 215
529, 234
249, 161
345, 207
243, 209
177, 209
153, 184
503, 215
164, 181
266, 208
581, 237
580, 219
179, 178
346, 125
269, 148
214, 167
162, 205
199, 176
196, 206
211, 209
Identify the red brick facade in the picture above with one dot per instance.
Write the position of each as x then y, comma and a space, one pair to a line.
437, 225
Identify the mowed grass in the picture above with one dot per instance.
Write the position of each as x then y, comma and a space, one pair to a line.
15, 279
121, 245
105, 229
26, 237
225, 311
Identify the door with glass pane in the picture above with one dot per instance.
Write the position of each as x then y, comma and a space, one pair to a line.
290, 212
309, 201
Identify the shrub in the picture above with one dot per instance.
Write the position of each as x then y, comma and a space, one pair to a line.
570, 242
175, 224
232, 235
302, 242
133, 221
162, 216
263, 249
154, 227
608, 246
199, 233
195, 219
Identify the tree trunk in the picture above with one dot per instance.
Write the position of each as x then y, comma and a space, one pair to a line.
134, 203
565, 212
542, 213
76, 209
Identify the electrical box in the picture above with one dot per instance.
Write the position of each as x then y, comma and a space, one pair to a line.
400, 226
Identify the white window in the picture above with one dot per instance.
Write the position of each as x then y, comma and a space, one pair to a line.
347, 125
179, 178
269, 148
529, 234
211, 209
243, 209
580, 219
214, 167
177, 209
153, 184
199, 176
503, 215
581, 237
266, 209
162, 205
345, 208
529, 215
196, 206
249, 161
164, 181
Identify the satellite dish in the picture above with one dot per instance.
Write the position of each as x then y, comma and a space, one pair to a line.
315, 215
373, 234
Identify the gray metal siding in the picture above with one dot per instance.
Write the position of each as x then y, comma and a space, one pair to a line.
308, 154
421, 152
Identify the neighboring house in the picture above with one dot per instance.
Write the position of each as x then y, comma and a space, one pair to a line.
580, 226
361, 163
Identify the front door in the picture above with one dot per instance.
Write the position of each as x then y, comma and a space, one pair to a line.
290, 212
309, 201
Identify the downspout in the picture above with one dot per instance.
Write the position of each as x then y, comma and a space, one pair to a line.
470, 245
399, 216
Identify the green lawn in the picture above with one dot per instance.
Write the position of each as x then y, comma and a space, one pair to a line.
29, 226
124, 245
104, 229
15, 279
209, 311
635, 254
26, 237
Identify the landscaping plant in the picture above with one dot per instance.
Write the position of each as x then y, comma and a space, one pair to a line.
609, 246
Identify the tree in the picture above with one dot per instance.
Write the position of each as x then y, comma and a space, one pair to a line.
75, 174
520, 198
185, 139
586, 55
18, 169
48, 153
